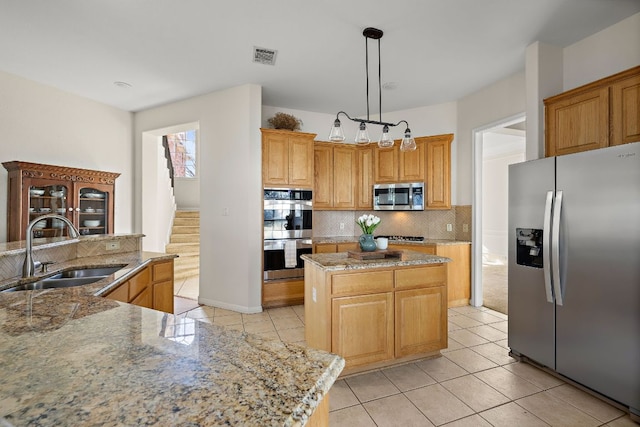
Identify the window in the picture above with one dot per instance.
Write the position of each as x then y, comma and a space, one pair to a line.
182, 147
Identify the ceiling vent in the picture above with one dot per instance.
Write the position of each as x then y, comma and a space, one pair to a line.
262, 55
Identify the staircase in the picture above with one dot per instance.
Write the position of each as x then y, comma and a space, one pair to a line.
185, 242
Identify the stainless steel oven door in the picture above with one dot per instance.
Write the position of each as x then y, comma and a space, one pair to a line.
287, 219
274, 259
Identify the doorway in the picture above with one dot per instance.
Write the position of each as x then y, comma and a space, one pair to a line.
496, 146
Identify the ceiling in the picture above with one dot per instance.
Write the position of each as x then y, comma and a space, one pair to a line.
433, 50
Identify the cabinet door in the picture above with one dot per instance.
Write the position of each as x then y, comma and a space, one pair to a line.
275, 159
121, 293
300, 162
425, 249
364, 178
438, 171
163, 296
45, 196
139, 283
345, 247
386, 165
577, 123
145, 299
344, 183
362, 328
323, 176
625, 111
411, 164
93, 208
420, 320
458, 273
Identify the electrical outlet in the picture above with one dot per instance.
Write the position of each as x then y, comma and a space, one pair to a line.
225, 211
449, 227
342, 226
112, 246
465, 228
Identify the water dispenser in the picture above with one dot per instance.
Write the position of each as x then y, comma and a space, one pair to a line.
529, 247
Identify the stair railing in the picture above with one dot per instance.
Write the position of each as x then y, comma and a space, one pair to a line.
167, 155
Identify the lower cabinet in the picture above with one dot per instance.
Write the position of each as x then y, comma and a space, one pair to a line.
151, 287
379, 315
362, 328
281, 293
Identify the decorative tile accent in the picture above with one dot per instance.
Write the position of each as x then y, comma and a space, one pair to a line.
429, 224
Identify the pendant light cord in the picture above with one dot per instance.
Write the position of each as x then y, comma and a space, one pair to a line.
379, 82
366, 48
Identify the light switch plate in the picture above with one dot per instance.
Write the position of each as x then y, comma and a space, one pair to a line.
112, 246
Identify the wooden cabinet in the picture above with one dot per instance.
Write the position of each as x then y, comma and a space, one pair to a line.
287, 158
326, 248
151, 287
438, 170
378, 315
597, 115
362, 328
334, 177
425, 249
385, 169
458, 272
86, 197
280, 293
393, 165
364, 177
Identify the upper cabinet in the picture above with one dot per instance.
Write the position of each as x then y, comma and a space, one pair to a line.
599, 114
393, 165
335, 182
86, 197
287, 158
364, 177
438, 170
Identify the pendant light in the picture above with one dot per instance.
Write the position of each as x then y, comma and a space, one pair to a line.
362, 136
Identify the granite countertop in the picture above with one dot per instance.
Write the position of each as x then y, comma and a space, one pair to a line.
342, 261
70, 358
131, 262
354, 239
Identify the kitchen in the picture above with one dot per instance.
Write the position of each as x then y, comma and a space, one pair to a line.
110, 132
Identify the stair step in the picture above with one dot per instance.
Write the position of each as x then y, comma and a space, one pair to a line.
193, 222
185, 229
186, 262
187, 214
185, 238
186, 274
192, 248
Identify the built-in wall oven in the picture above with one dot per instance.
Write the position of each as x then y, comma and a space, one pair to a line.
287, 231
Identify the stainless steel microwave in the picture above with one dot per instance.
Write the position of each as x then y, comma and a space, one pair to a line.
404, 196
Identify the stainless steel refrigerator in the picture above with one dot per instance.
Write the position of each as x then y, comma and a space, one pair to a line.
574, 268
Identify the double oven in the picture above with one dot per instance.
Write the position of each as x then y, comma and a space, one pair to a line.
287, 232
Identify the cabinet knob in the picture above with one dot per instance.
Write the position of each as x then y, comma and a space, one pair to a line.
70, 209
77, 209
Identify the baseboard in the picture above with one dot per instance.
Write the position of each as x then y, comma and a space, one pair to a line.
232, 307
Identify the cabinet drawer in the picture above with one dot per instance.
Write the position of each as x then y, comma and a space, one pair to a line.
162, 271
139, 282
435, 275
379, 281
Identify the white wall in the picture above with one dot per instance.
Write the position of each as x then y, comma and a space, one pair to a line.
42, 124
230, 171
503, 99
607, 52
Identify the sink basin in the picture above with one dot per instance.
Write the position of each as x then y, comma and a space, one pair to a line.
55, 283
69, 278
87, 272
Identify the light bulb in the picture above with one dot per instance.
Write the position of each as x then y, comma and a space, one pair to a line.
408, 143
385, 139
336, 134
362, 137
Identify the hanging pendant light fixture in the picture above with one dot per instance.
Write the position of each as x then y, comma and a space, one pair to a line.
362, 136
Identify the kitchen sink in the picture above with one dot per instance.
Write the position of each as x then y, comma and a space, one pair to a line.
69, 278
87, 272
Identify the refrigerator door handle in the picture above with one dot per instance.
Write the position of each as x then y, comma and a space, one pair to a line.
546, 243
555, 248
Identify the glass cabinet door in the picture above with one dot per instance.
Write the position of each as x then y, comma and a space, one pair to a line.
93, 211
45, 198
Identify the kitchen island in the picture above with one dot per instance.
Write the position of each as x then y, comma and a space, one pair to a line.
375, 312
71, 357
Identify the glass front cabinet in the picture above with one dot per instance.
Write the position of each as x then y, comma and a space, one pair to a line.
86, 197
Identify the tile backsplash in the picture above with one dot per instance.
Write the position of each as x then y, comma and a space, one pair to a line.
429, 224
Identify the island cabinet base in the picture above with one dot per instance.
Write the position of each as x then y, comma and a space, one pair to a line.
379, 316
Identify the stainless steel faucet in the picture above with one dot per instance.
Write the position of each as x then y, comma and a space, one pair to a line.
29, 267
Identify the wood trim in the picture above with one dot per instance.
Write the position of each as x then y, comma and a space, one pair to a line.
61, 173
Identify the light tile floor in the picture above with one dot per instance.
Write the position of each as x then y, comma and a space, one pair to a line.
475, 383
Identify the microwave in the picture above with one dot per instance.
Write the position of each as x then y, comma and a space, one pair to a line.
405, 196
